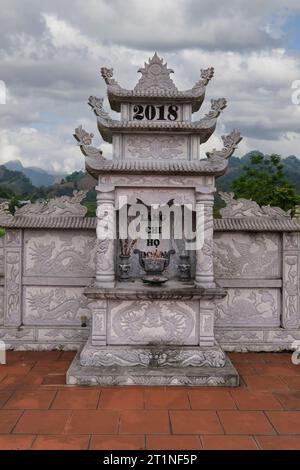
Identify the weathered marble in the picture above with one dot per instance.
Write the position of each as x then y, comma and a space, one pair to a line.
249, 307
45, 305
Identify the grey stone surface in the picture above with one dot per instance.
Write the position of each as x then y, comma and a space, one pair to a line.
249, 307
160, 354
153, 376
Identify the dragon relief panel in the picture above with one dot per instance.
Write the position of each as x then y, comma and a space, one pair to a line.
249, 307
247, 255
157, 147
59, 253
147, 322
54, 305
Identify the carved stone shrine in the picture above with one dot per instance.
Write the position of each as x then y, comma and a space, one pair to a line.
153, 301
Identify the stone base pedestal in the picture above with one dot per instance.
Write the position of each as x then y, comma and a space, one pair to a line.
152, 365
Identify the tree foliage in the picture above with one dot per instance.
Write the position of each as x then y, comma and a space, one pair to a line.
263, 181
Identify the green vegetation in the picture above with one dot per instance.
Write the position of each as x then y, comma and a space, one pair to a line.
265, 179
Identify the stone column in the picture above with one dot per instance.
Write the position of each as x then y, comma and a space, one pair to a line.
204, 276
105, 262
291, 281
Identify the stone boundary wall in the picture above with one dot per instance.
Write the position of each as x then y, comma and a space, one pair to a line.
46, 262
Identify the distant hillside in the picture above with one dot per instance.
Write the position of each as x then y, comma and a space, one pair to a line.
36, 175
14, 183
235, 168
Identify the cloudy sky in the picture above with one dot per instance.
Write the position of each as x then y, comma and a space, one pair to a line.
51, 52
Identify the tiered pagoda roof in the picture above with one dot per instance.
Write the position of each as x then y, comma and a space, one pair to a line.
156, 84
204, 127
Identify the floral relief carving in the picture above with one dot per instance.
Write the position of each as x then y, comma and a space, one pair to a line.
246, 255
157, 147
249, 307
105, 258
290, 241
13, 287
144, 322
155, 77
13, 237
291, 316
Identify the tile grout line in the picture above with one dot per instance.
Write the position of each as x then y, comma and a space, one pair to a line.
7, 400
220, 421
254, 437
33, 441
271, 424
189, 399
171, 433
89, 442
13, 428
98, 401
53, 399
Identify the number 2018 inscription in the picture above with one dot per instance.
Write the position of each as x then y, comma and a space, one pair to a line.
158, 113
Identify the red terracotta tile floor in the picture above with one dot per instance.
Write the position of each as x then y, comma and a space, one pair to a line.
38, 411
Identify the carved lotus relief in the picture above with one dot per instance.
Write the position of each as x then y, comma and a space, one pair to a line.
145, 322
249, 307
247, 255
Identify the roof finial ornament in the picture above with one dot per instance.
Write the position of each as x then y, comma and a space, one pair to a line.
230, 142
84, 140
155, 76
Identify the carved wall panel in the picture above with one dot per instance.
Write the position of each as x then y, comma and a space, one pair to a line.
1, 256
249, 307
13, 278
1, 305
54, 305
146, 322
291, 281
247, 255
59, 253
162, 147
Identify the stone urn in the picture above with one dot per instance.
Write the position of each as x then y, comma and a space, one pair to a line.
154, 266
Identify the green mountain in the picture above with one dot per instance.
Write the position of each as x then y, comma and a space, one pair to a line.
36, 175
14, 183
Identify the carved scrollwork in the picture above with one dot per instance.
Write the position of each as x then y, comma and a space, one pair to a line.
230, 141
84, 140
249, 307
56, 207
247, 208
157, 147
155, 76
55, 305
97, 106
155, 357
143, 322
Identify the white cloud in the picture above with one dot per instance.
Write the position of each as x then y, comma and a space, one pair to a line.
51, 56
